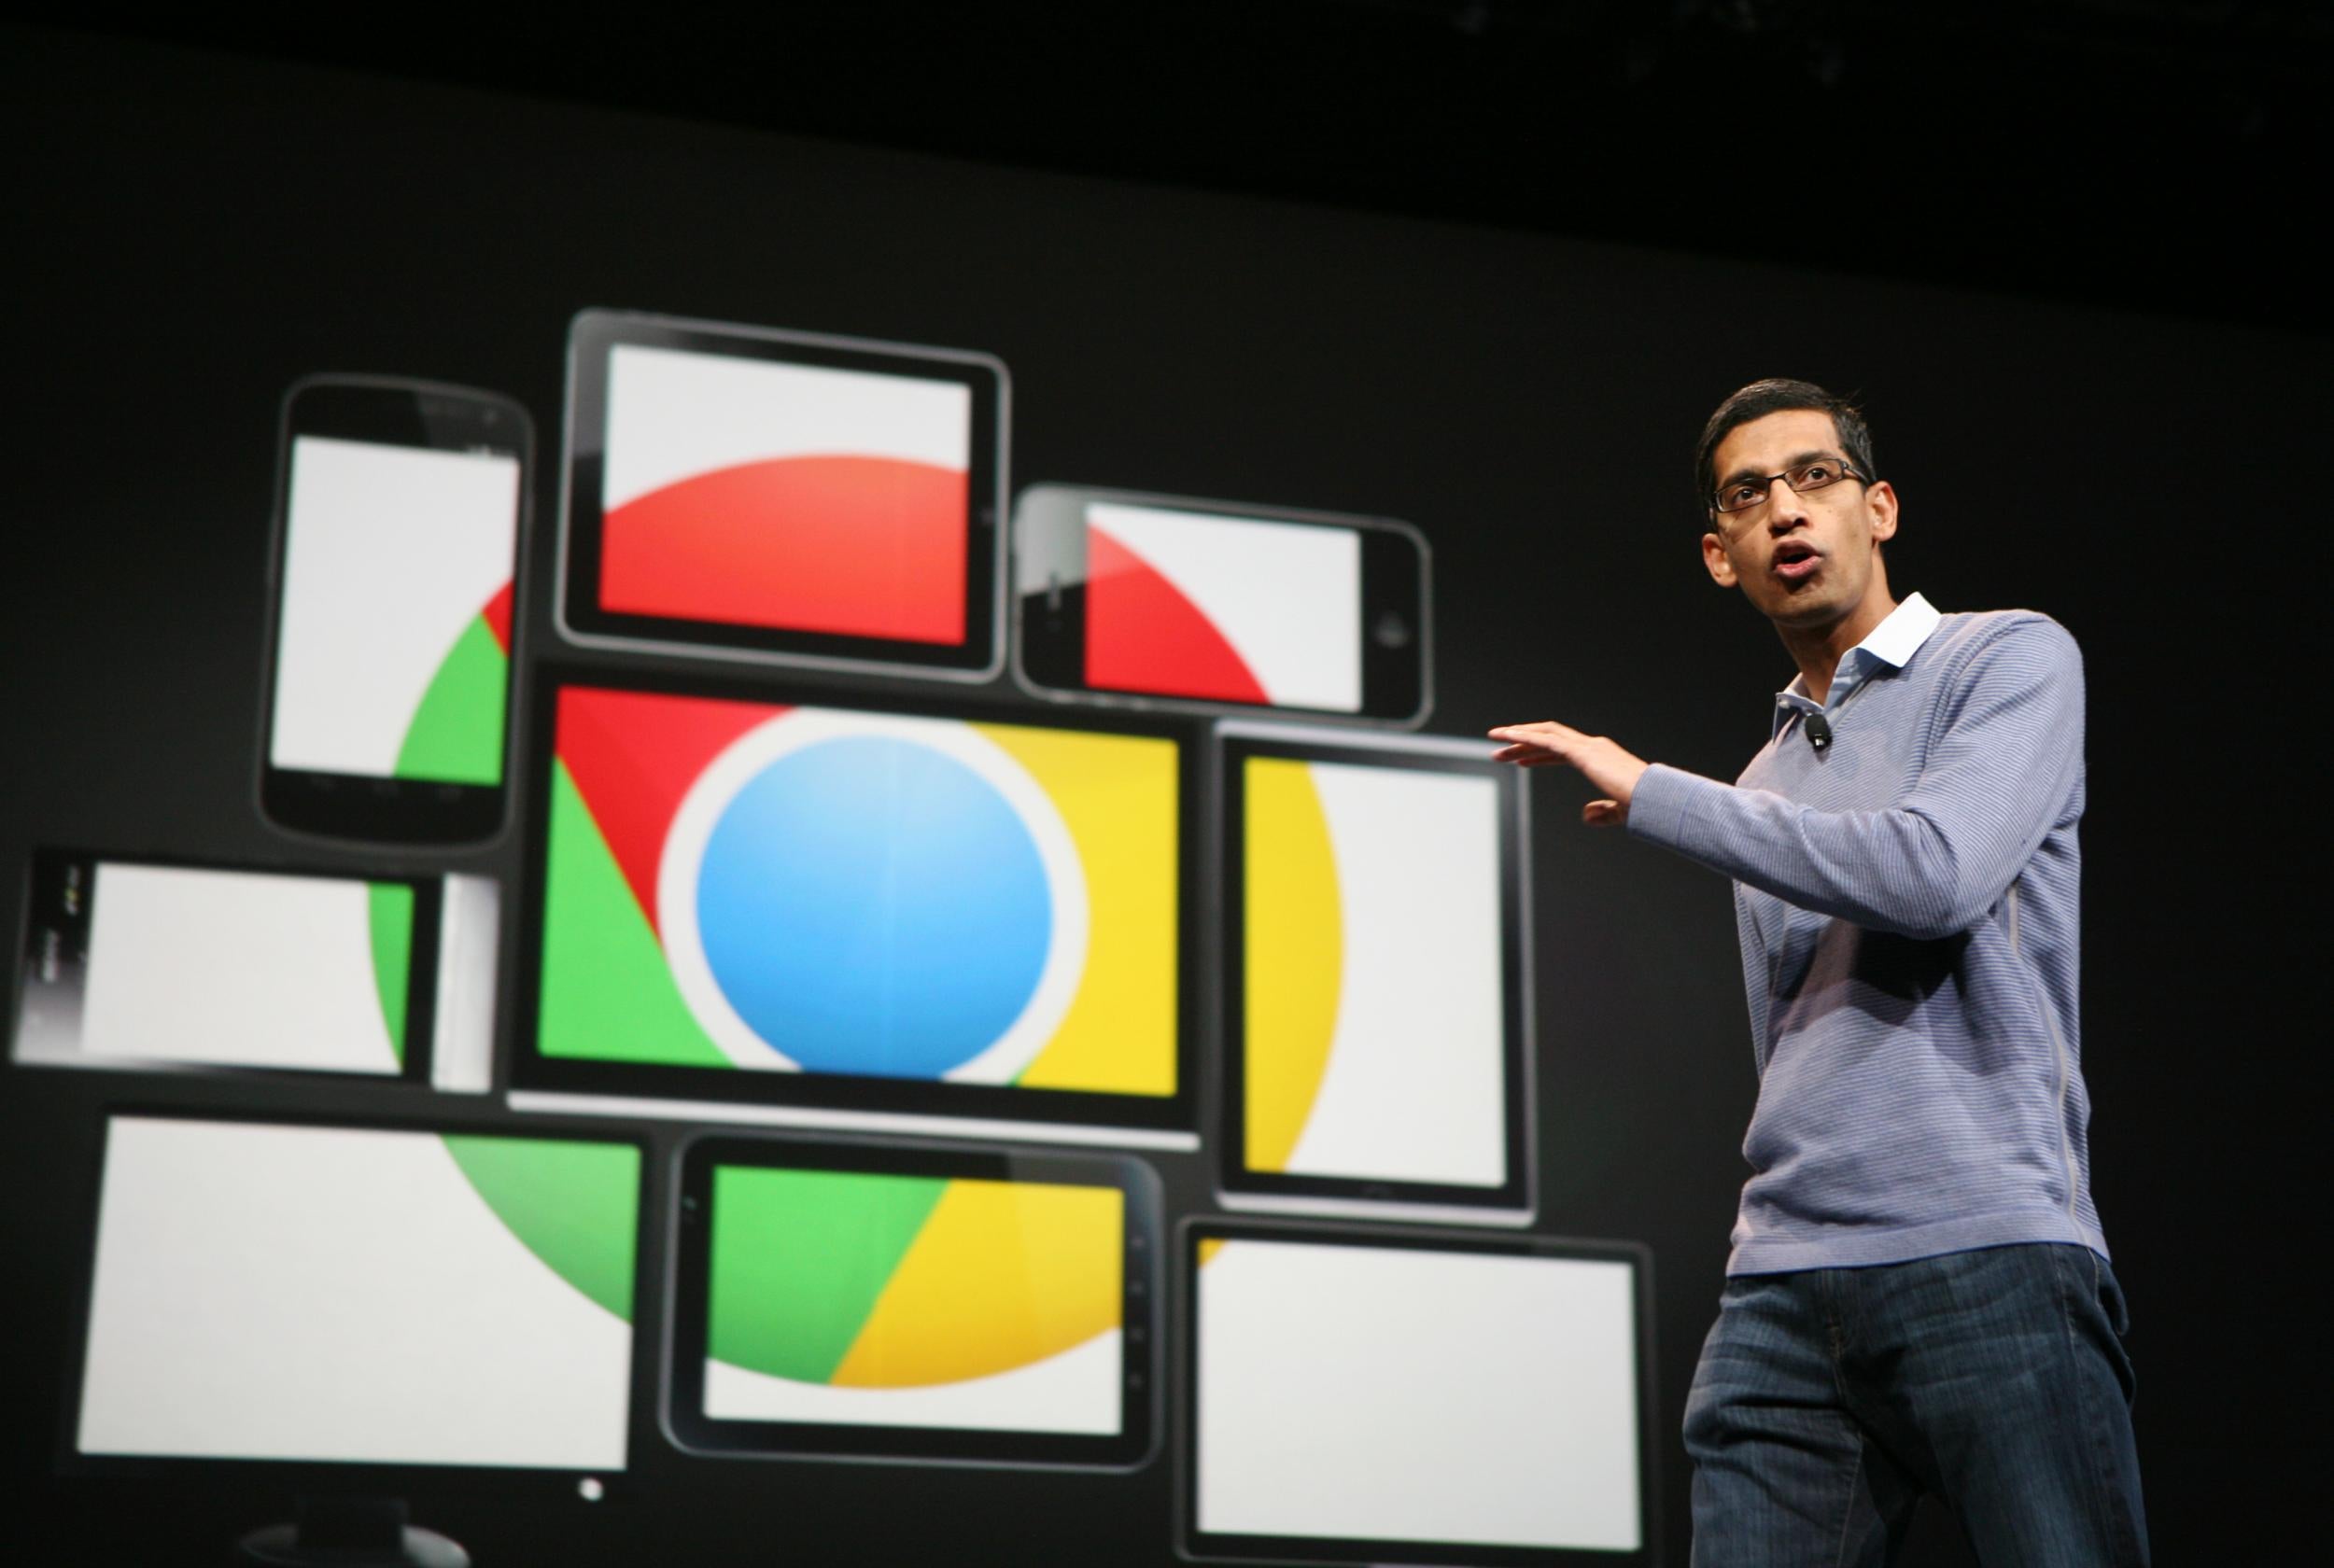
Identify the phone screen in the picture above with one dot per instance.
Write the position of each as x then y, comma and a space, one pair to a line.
135, 964
396, 611
1239, 609
1152, 600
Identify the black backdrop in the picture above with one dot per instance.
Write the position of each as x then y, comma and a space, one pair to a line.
190, 232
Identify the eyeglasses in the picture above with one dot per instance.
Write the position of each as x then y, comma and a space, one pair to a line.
1741, 494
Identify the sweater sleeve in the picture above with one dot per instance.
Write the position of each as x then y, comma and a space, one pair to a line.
2005, 748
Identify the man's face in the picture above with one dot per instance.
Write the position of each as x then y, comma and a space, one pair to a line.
1806, 561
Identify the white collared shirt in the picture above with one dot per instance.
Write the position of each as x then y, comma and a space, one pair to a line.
1890, 643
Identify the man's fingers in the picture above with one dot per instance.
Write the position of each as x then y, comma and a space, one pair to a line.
1604, 814
1533, 744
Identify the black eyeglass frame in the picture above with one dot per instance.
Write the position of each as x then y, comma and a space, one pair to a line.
1792, 476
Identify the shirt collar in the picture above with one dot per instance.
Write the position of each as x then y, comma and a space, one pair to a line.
1893, 642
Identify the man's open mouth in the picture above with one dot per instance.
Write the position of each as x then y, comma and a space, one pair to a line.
1794, 561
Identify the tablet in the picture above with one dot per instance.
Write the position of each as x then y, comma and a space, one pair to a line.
747, 494
913, 1303
1375, 950
330, 1293
1375, 1396
738, 896
143, 964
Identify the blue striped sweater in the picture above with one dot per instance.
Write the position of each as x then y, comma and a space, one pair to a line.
1909, 906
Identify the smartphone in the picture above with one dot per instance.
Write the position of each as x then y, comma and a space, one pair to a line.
400, 507
1162, 601
136, 962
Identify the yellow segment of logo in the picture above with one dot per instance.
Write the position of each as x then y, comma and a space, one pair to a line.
1003, 1274
1293, 955
1116, 795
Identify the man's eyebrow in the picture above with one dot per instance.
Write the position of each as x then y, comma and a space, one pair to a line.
1816, 455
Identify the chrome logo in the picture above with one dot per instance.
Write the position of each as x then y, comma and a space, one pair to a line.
750, 886
849, 893
854, 1281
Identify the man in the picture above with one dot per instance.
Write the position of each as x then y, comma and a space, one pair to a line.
1919, 1298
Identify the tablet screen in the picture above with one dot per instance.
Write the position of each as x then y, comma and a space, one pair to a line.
1362, 1399
755, 494
285, 1292
1375, 1017
907, 1303
1227, 608
758, 898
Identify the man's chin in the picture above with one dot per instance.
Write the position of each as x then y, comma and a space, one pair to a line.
1807, 609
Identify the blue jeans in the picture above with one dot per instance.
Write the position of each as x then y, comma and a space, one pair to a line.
1827, 1401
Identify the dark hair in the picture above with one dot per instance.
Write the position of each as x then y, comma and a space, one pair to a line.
1777, 394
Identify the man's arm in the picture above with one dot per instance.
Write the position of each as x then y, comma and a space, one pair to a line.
2005, 754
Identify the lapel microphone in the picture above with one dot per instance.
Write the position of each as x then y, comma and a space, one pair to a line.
1819, 731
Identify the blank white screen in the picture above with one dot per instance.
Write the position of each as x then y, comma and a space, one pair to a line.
332, 1294
235, 969
1379, 1393
390, 554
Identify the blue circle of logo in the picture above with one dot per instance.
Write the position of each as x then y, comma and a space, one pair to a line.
868, 904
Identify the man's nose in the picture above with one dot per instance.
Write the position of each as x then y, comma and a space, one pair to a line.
1784, 509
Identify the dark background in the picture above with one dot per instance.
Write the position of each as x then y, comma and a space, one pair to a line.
2124, 427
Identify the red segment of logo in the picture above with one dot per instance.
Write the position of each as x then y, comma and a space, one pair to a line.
497, 614
633, 756
1144, 634
851, 546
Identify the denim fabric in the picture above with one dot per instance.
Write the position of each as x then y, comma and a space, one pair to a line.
1828, 1400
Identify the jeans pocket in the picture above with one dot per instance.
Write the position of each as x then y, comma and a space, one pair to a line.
2115, 1314
2110, 1301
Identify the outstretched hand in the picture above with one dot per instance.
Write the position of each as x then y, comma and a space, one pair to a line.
1602, 762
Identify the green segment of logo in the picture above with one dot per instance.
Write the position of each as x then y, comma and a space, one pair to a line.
799, 1258
390, 906
607, 993
457, 734
574, 1205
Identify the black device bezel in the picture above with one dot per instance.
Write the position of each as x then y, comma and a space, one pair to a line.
334, 1478
46, 915
389, 412
1049, 621
594, 333
1194, 1543
529, 1069
687, 1329
1511, 1201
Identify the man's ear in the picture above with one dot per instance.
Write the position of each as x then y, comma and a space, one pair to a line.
1714, 556
1880, 504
